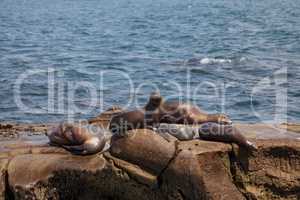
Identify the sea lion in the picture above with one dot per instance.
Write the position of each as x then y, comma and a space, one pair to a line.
104, 118
78, 140
224, 133
179, 131
159, 111
180, 113
207, 131
140, 118
127, 120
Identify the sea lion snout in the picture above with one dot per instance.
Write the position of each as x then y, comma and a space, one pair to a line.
224, 119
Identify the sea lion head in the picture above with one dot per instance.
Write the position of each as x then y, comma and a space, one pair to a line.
155, 100
223, 119
94, 144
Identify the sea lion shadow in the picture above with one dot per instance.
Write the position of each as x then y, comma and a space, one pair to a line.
52, 144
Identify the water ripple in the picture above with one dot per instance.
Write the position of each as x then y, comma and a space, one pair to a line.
237, 44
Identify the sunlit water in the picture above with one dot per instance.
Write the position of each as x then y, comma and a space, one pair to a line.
248, 47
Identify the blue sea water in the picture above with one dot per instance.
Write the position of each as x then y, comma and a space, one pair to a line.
237, 57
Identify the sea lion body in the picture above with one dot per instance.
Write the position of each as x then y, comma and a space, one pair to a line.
78, 140
127, 120
179, 131
158, 111
104, 118
180, 113
136, 119
207, 131
224, 133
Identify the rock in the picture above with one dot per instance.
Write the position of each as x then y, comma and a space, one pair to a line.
6, 126
271, 173
43, 176
194, 172
268, 131
145, 148
291, 127
40, 171
134, 171
201, 170
147, 167
3, 177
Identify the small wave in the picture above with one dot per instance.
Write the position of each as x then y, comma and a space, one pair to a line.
209, 61
206, 61
242, 59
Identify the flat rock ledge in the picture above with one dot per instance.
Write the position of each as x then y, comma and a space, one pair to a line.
145, 166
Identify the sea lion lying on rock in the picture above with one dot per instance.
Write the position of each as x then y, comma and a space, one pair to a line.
207, 131
178, 131
77, 139
104, 118
224, 133
135, 119
127, 120
180, 113
159, 111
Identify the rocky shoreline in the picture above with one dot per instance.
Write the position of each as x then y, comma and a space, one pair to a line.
145, 166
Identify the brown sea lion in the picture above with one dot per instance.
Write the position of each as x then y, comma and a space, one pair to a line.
127, 120
104, 118
207, 131
158, 111
179, 131
78, 140
136, 119
224, 133
180, 113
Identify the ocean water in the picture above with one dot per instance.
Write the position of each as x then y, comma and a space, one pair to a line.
64, 59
